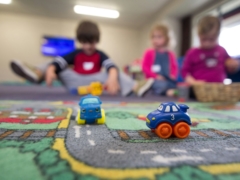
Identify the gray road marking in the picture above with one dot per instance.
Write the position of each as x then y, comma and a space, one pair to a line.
205, 150
91, 142
179, 150
148, 152
116, 151
168, 160
231, 148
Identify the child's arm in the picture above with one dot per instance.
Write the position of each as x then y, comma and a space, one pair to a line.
232, 65
50, 75
62, 62
147, 64
187, 70
112, 84
192, 81
59, 64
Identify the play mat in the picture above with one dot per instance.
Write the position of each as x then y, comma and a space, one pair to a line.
41, 140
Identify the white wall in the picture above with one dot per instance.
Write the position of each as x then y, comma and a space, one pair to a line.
173, 23
21, 38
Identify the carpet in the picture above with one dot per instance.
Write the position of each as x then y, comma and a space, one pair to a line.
41, 140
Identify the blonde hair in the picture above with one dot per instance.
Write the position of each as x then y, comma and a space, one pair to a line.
208, 24
163, 29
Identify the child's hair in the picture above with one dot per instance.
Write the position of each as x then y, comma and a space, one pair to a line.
88, 32
208, 24
163, 29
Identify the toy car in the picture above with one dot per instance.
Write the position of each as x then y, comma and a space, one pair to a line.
90, 110
95, 88
170, 119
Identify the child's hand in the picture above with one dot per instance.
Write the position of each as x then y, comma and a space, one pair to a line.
232, 65
112, 85
192, 81
50, 75
160, 77
198, 82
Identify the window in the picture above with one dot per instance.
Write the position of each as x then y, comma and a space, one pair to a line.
90, 101
160, 108
167, 109
230, 40
174, 108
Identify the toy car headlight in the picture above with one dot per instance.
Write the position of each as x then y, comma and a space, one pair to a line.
148, 121
83, 110
97, 110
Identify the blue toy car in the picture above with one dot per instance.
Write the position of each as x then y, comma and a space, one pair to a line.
170, 119
90, 110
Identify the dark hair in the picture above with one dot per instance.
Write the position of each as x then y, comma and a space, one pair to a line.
88, 32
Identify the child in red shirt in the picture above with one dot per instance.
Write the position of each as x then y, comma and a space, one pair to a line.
87, 63
159, 63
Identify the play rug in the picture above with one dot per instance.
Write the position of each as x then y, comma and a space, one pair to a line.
41, 140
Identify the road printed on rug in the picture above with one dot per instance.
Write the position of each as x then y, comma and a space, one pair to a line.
124, 147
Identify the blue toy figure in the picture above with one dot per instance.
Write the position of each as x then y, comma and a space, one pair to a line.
170, 119
90, 110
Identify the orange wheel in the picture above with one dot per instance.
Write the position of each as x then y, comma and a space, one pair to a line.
164, 130
181, 130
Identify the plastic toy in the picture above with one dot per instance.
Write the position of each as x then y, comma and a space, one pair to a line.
95, 88
170, 119
183, 92
90, 110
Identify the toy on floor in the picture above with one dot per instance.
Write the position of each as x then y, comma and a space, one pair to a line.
170, 118
90, 110
95, 88
183, 92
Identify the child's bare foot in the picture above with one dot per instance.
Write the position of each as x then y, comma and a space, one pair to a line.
25, 71
171, 92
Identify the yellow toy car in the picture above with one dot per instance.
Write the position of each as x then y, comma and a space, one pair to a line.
95, 89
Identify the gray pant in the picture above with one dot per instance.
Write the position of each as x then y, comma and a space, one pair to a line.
71, 80
160, 87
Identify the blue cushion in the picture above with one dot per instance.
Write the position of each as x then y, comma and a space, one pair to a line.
180, 63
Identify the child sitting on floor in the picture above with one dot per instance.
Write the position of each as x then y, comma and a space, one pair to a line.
209, 62
87, 63
159, 63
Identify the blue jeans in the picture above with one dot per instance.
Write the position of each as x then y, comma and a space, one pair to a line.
160, 87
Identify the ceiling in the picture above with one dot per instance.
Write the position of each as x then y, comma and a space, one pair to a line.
133, 13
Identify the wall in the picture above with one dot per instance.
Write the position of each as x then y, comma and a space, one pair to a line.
21, 38
163, 16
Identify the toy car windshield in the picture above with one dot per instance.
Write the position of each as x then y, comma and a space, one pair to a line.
90, 101
160, 108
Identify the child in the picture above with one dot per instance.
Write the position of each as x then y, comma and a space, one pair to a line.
87, 63
159, 63
209, 62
